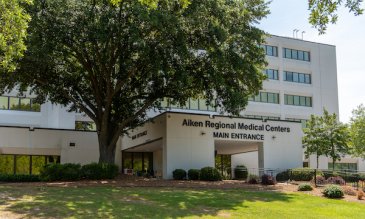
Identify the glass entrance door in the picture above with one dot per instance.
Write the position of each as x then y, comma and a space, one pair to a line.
140, 162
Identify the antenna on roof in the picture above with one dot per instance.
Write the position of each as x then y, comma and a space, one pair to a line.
295, 30
303, 32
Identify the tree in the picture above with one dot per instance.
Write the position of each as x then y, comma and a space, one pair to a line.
324, 12
13, 25
325, 135
313, 140
115, 62
357, 131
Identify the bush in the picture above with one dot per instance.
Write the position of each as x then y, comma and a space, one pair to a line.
240, 172
283, 176
210, 174
193, 174
55, 172
267, 180
328, 174
349, 191
179, 174
320, 180
253, 179
302, 174
18, 178
99, 171
305, 187
333, 191
336, 180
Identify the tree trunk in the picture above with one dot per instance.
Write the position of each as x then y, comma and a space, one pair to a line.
333, 164
106, 147
317, 161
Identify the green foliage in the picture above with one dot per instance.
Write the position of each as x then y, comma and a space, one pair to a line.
305, 187
58, 172
99, 171
320, 180
338, 180
357, 131
253, 179
210, 174
13, 22
19, 178
333, 191
267, 180
328, 174
283, 176
324, 12
114, 62
179, 174
193, 174
325, 135
301, 174
240, 172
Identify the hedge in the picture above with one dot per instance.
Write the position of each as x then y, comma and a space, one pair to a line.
19, 178
210, 174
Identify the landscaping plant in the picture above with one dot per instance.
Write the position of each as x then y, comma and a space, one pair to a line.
305, 187
333, 191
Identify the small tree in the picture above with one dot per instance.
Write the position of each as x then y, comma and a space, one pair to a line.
325, 135
357, 131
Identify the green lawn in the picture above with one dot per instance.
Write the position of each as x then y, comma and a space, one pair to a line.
113, 202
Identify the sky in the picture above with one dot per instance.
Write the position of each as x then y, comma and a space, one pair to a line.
348, 35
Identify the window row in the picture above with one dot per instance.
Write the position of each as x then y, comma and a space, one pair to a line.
270, 50
297, 100
303, 121
296, 54
343, 166
191, 104
297, 77
25, 164
265, 97
19, 103
272, 74
262, 117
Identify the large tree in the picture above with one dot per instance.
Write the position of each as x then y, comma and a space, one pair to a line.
357, 131
326, 135
13, 25
115, 62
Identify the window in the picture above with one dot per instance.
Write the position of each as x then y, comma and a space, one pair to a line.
19, 103
270, 50
272, 74
266, 97
85, 126
303, 121
296, 54
263, 117
140, 162
190, 104
297, 77
343, 166
297, 100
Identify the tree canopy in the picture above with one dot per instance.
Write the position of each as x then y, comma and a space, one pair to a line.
323, 13
357, 131
115, 62
13, 25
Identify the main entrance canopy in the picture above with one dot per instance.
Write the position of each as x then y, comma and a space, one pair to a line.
191, 141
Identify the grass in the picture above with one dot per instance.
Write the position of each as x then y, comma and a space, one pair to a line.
113, 202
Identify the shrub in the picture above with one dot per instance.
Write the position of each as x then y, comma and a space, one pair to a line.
302, 174
305, 187
320, 180
349, 191
333, 191
328, 174
210, 174
253, 179
55, 172
267, 180
99, 171
360, 194
283, 176
336, 180
193, 174
179, 174
240, 172
350, 177
18, 178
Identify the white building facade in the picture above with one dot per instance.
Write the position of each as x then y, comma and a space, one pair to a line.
302, 80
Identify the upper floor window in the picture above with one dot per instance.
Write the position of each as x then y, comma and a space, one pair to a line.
297, 77
19, 103
262, 117
303, 121
271, 50
265, 97
85, 126
297, 100
272, 74
296, 54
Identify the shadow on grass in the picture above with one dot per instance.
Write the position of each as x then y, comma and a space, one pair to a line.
109, 202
